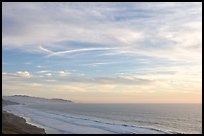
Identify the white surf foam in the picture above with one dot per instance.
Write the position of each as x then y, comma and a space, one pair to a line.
72, 124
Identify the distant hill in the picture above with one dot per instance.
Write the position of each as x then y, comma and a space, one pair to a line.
54, 99
62, 100
24, 99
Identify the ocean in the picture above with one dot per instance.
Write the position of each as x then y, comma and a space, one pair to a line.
112, 118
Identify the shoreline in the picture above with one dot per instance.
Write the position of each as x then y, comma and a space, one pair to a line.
21, 126
54, 120
15, 124
46, 129
72, 125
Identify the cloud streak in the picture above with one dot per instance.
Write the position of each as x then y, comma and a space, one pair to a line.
154, 46
139, 30
60, 53
17, 75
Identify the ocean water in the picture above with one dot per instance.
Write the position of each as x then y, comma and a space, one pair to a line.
114, 118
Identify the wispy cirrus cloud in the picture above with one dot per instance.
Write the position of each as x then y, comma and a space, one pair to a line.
139, 30
154, 46
65, 77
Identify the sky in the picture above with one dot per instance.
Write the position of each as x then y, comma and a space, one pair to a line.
103, 52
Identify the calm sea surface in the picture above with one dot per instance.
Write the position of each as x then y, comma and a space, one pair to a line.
180, 118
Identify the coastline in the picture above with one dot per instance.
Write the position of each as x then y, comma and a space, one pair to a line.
78, 125
54, 120
46, 129
13, 124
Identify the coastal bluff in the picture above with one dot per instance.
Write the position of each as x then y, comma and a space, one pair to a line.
12, 124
